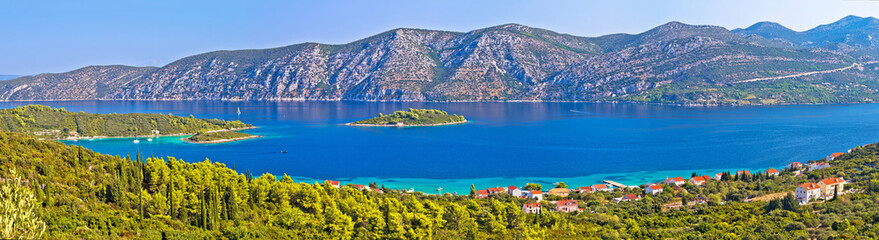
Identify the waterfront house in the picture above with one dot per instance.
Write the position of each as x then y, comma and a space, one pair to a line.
653, 189
601, 187
830, 185
807, 192
698, 180
481, 193
561, 192
588, 189
818, 166
795, 165
676, 181
743, 173
531, 208
335, 184
718, 176
534, 194
772, 172
515, 191
567, 205
834, 156
361, 187
496, 190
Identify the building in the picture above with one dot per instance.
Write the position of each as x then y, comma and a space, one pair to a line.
772, 172
653, 189
567, 205
588, 189
361, 187
631, 197
834, 156
481, 193
697, 180
335, 184
534, 194
515, 191
718, 176
829, 186
807, 192
795, 165
601, 187
743, 173
496, 190
818, 166
561, 192
676, 181
532, 208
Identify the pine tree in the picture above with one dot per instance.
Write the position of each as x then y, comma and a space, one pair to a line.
472, 190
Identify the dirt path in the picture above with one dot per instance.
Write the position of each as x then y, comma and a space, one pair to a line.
808, 73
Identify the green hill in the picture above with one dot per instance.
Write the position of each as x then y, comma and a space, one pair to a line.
46, 122
418, 117
80, 194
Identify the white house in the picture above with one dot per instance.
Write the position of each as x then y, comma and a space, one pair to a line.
653, 189
718, 176
818, 166
795, 165
588, 189
567, 205
534, 194
698, 180
601, 187
531, 208
335, 184
676, 181
807, 192
834, 156
513, 190
772, 172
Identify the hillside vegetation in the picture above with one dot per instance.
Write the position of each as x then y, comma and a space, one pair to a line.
82, 194
414, 117
218, 136
47, 122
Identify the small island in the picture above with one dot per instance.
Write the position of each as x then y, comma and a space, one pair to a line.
219, 137
412, 118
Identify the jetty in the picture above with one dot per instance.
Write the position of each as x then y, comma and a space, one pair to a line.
616, 184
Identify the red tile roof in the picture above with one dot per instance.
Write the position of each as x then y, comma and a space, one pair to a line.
809, 186
358, 186
511, 187
834, 155
771, 170
706, 177
654, 187
532, 205
588, 189
536, 192
746, 172
599, 186
335, 183
831, 181
481, 192
633, 196
566, 202
497, 189
698, 179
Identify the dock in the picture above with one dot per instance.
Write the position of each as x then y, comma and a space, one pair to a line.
615, 184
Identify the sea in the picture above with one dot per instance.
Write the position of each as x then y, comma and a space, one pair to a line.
504, 143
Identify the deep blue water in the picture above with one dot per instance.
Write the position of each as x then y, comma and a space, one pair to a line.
504, 143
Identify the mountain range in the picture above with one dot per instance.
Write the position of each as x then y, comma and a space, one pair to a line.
673, 63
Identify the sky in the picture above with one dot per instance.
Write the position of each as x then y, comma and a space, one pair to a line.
59, 36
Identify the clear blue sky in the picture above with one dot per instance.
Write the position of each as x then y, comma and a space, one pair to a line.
59, 36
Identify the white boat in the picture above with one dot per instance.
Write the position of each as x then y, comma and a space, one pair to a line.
411, 190
136, 141
149, 139
439, 189
91, 139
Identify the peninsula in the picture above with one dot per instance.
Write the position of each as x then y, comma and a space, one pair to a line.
412, 118
59, 124
219, 137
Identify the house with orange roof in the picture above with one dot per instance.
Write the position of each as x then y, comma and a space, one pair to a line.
830, 185
742, 173
534, 194
601, 187
496, 190
807, 192
698, 180
834, 156
718, 176
676, 181
653, 189
335, 184
795, 165
772, 172
561, 192
361, 187
588, 189
818, 166
567, 205
515, 191
533, 208
481, 193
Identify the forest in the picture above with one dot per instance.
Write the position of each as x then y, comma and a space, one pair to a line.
58, 191
413, 117
57, 123
218, 136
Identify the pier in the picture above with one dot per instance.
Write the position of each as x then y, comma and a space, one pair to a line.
616, 184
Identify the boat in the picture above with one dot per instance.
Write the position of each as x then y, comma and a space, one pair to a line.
91, 139
439, 189
136, 141
411, 190
284, 151
149, 139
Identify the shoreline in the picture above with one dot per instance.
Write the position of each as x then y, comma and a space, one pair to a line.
144, 136
395, 125
221, 140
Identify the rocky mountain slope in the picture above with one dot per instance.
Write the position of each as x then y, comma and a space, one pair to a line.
672, 63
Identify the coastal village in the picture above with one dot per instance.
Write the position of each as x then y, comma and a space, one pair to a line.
557, 198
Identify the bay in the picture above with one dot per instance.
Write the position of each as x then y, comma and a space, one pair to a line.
504, 143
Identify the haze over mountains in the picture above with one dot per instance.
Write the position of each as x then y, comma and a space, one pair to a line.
672, 63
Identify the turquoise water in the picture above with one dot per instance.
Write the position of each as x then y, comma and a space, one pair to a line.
504, 143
